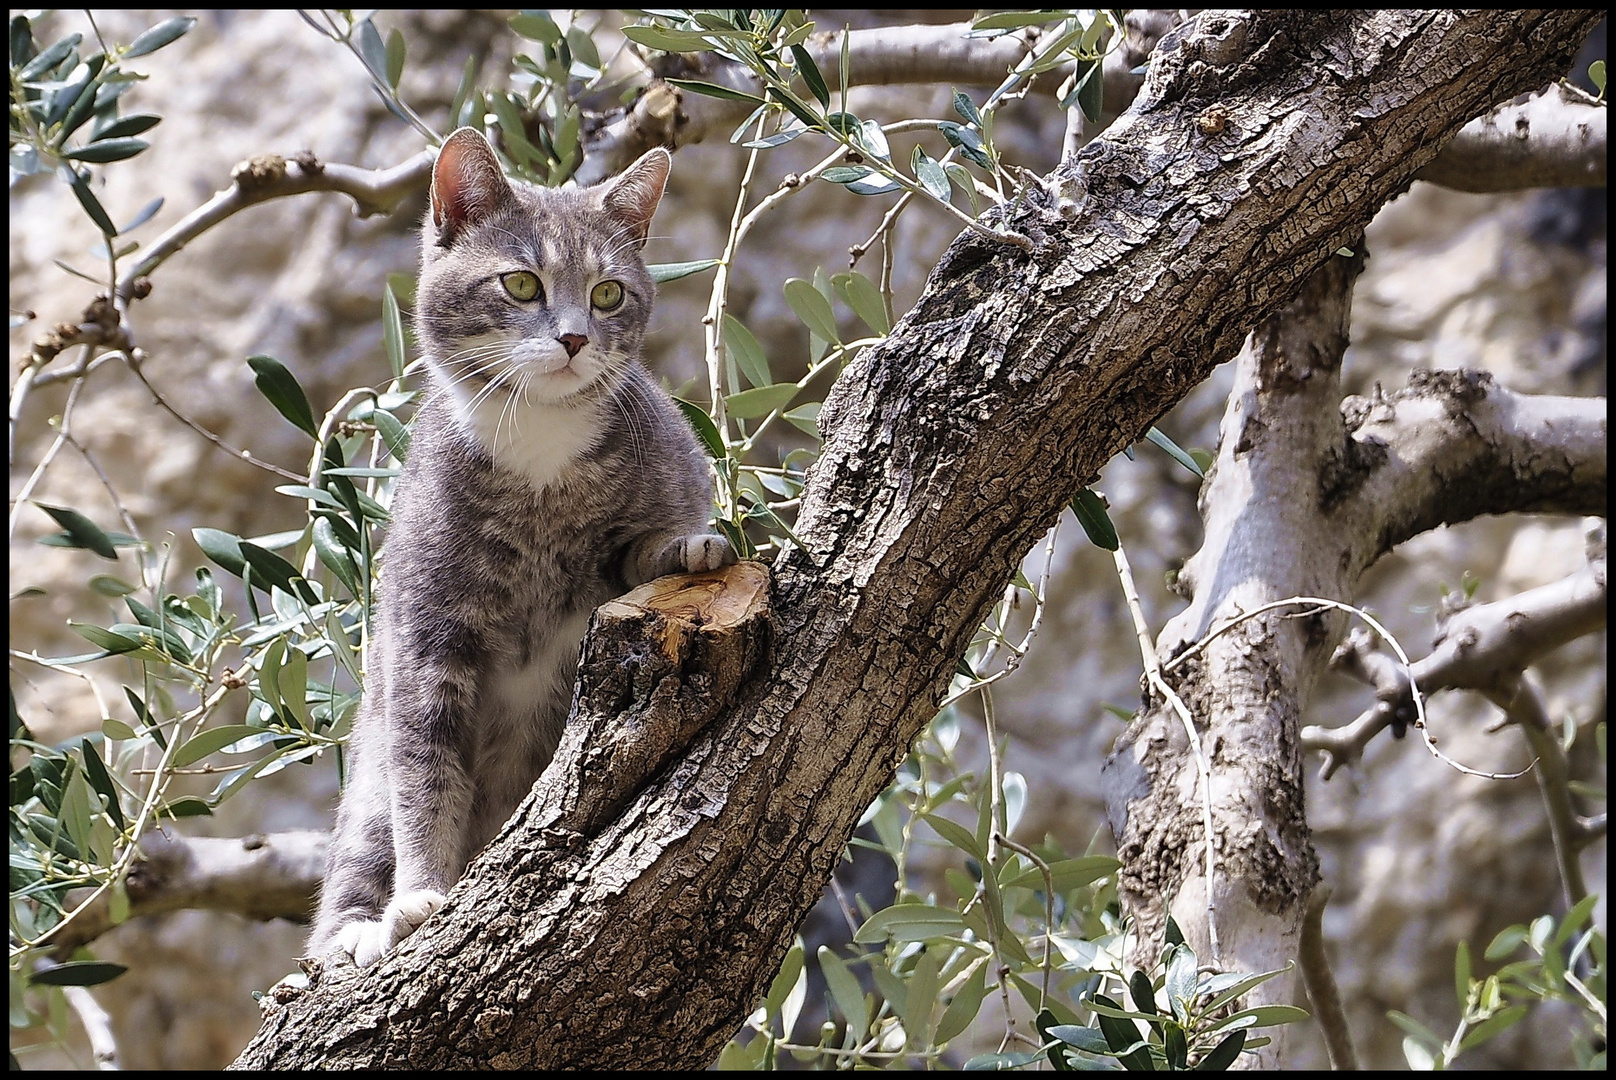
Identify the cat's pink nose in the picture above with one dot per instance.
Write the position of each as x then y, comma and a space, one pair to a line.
572, 343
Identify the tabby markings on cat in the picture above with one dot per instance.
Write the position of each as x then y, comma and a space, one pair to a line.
547, 474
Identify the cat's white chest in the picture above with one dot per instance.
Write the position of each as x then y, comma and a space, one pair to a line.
534, 440
548, 673
528, 702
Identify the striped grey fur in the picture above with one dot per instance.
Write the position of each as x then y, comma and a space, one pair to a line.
547, 474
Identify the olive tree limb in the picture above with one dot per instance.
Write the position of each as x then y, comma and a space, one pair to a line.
270, 176
1314, 964
641, 933
1487, 648
105, 325
263, 877
1482, 648
1555, 138
1521, 698
916, 55
1303, 497
1455, 444
1247, 687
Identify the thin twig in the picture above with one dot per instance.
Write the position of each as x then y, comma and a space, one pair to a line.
270, 176
1153, 673
1049, 907
117, 501
713, 321
995, 777
848, 914
995, 831
66, 669
148, 807
63, 429
47, 378
136, 365
1374, 624
1523, 703
96, 1021
1017, 652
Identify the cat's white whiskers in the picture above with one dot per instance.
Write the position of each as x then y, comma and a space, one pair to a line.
467, 366
621, 239
509, 410
487, 390
481, 374
635, 413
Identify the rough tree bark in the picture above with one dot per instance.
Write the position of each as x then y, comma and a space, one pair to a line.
1259, 144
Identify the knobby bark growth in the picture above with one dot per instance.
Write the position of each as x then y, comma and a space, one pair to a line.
640, 936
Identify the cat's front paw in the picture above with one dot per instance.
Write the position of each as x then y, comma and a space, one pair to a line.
703, 551
406, 913
368, 940
363, 941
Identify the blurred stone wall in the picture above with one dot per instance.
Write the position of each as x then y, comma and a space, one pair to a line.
1418, 856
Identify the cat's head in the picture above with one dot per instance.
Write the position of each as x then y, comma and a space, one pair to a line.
538, 293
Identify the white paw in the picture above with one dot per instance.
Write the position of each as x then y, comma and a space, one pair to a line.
361, 940
707, 551
370, 940
407, 912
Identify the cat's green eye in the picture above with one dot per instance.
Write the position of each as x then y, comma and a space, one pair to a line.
521, 284
606, 295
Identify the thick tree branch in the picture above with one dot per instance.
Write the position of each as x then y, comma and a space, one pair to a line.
1555, 138
1478, 645
1454, 445
1246, 688
950, 448
274, 876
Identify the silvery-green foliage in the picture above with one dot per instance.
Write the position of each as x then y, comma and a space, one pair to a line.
1560, 960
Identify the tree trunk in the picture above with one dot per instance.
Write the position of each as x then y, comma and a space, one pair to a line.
1246, 691
1258, 146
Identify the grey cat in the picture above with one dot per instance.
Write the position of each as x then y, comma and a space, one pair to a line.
547, 474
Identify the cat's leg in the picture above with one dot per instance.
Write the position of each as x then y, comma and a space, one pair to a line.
657, 554
433, 708
359, 875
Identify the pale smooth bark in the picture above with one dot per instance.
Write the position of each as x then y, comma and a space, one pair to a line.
1265, 541
267, 876
1482, 648
644, 940
1306, 493
1555, 138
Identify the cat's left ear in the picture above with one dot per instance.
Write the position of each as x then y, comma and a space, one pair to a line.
632, 198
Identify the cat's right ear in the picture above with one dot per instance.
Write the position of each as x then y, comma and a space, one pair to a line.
467, 183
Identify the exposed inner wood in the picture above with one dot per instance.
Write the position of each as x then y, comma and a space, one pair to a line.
720, 598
